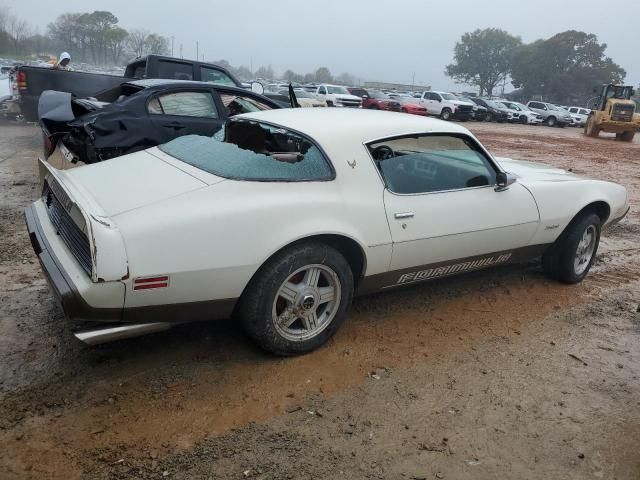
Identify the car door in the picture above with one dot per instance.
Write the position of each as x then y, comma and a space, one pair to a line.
185, 112
322, 94
433, 103
442, 205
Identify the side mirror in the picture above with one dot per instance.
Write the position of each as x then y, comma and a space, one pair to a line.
256, 87
503, 181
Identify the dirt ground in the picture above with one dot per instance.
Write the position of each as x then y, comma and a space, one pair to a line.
497, 374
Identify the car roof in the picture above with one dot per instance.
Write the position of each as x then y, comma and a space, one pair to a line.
160, 82
336, 126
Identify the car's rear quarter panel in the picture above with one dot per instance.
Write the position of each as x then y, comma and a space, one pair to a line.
213, 240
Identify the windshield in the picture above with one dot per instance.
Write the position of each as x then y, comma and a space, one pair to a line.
338, 90
448, 96
493, 104
300, 93
253, 151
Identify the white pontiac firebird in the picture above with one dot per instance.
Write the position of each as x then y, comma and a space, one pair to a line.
292, 213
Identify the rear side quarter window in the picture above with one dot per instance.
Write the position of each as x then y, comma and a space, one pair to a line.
186, 104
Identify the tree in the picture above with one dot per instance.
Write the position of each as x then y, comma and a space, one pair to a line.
17, 30
323, 75
564, 67
292, 77
483, 58
136, 41
265, 72
116, 40
243, 73
156, 44
345, 79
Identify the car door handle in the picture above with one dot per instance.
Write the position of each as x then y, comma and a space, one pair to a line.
403, 215
176, 125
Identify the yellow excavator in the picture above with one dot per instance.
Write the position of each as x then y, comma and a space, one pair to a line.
614, 112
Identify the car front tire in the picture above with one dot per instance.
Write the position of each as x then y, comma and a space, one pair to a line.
570, 258
551, 122
446, 114
298, 299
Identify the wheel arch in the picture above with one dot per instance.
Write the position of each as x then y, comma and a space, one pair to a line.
599, 207
351, 249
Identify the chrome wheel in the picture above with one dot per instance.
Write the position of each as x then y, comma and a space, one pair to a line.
585, 250
306, 302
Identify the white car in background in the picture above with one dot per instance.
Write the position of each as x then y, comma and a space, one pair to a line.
445, 105
524, 114
294, 213
304, 98
580, 115
336, 96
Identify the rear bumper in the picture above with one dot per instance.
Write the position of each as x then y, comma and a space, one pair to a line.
75, 307
97, 324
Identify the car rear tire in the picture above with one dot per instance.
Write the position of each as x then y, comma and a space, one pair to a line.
298, 299
446, 114
569, 259
373, 107
551, 121
626, 136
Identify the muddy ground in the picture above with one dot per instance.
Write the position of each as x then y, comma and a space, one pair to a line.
497, 374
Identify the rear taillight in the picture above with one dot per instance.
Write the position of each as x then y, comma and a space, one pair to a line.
22, 82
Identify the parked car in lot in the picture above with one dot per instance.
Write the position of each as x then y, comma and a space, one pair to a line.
185, 231
336, 96
137, 115
375, 100
495, 112
305, 99
409, 104
445, 105
552, 116
479, 112
579, 115
522, 114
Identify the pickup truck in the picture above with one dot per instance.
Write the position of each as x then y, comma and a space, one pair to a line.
445, 105
336, 96
27, 83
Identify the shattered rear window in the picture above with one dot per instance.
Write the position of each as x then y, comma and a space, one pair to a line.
253, 151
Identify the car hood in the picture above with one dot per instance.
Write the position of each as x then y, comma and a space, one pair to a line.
343, 96
536, 172
461, 102
135, 180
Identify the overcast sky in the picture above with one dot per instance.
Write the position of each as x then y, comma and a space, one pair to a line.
373, 40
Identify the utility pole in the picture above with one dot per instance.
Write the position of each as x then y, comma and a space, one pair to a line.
172, 39
251, 62
197, 51
181, 51
413, 81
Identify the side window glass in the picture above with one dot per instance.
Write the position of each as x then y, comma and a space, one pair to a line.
323, 91
212, 75
236, 104
175, 70
188, 104
431, 163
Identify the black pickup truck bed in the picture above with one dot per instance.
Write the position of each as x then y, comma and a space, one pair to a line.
32, 81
